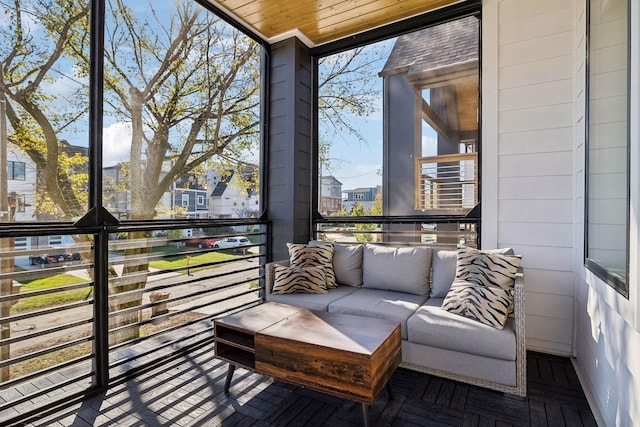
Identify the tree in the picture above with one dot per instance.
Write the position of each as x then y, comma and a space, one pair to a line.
184, 81
29, 55
187, 85
347, 89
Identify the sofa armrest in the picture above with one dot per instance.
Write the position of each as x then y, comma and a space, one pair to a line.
269, 269
519, 326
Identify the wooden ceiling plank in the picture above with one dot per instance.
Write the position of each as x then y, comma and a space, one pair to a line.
295, 11
242, 9
325, 20
366, 22
305, 15
349, 10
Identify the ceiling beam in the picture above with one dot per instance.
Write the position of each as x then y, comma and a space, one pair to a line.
434, 120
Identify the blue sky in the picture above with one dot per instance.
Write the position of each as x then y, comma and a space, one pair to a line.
355, 164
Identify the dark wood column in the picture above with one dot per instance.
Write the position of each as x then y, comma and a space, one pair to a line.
289, 146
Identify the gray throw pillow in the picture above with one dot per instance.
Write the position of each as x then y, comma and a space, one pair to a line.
347, 263
400, 269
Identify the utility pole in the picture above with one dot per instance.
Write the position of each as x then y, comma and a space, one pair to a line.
6, 244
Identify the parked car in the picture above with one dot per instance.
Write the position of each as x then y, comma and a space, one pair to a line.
232, 242
200, 243
53, 258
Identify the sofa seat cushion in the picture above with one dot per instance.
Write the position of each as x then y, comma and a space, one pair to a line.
319, 302
395, 306
433, 326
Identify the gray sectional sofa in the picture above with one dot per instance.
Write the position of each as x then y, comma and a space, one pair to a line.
408, 285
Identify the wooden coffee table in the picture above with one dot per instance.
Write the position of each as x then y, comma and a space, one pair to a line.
342, 355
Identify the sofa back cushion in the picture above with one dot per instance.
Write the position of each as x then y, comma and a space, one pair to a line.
347, 262
400, 269
444, 269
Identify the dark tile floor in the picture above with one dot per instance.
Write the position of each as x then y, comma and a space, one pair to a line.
189, 392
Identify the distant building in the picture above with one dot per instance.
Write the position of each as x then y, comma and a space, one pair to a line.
364, 196
234, 193
190, 193
330, 195
22, 175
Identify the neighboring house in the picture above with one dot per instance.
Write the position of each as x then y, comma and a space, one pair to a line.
330, 195
234, 194
22, 176
364, 196
190, 193
24, 180
115, 200
431, 78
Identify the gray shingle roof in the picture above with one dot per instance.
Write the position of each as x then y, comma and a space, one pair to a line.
437, 47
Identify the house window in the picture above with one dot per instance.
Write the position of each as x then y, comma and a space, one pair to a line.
15, 170
185, 200
607, 152
200, 200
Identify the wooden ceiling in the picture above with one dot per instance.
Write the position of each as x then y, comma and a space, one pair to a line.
322, 21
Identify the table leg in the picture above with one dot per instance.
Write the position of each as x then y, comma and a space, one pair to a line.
227, 382
365, 415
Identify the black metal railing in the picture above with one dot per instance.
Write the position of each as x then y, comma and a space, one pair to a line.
443, 231
165, 284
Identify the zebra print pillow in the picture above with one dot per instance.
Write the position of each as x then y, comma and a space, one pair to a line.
290, 280
486, 268
301, 255
483, 287
490, 305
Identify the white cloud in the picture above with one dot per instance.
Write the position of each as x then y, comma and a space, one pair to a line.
429, 146
117, 143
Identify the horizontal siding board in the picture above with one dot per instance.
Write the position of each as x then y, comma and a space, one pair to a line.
549, 70
536, 187
549, 347
552, 116
536, 210
609, 59
532, 27
551, 306
608, 135
528, 51
541, 257
548, 329
609, 110
537, 164
516, 10
605, 85
536, 141
538, 234
549, 282
536, 95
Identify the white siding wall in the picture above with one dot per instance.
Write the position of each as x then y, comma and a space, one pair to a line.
530, 155
607, 345
533, 192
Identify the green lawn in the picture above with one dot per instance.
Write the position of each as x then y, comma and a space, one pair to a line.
166, 264
63, 297
49, 300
